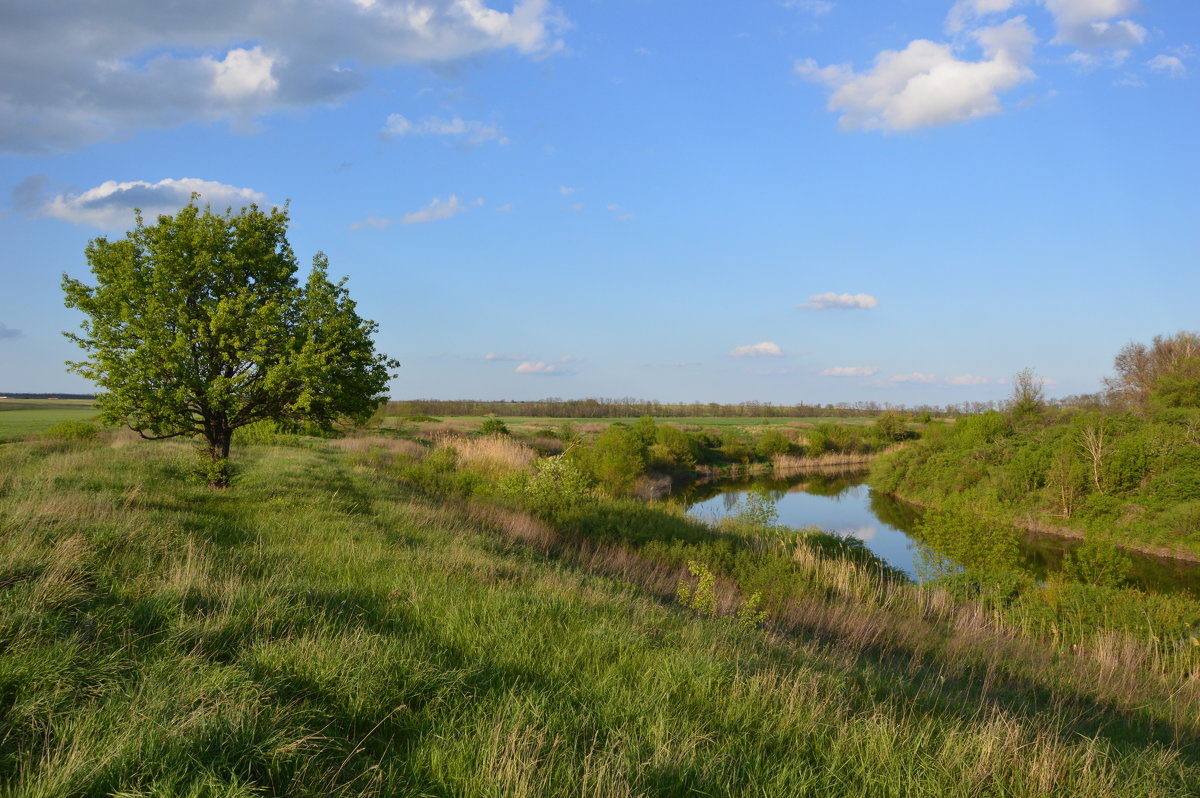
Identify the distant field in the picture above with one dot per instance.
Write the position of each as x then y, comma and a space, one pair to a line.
21, 417
683, 421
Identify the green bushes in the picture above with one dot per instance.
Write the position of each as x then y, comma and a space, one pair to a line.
82, 431
1121, 476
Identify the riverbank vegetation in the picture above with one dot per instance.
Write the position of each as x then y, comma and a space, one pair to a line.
380, 616
1123, 467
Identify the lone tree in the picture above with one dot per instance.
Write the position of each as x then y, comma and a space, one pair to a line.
197, 326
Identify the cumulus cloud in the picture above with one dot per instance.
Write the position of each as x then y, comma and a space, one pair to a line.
926, 83
916, 376
969, 379
620, 214
850, 371
76, 71
1170, 64
500, 356
566, 191
8, 332
468, 131
110, 205
540, 367
764, 349
832, 301
507, 207
1093, 23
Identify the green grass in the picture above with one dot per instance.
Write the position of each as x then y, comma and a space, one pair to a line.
322, 630
22, 417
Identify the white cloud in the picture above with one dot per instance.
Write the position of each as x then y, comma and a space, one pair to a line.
110, 205
1092, 23
831, 301
500, 356
620, 214
77, 71
916, 376
849, 371
1170, 64
435, 211
438, 209
968, 379
506, 208
926, 83
566, 191
578, 206
471, 132
539, 367
818, 8
764, 349
966, 11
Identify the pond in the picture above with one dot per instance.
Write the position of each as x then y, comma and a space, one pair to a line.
842, 503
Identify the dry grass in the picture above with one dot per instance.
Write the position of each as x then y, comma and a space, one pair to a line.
492, 456
378, 443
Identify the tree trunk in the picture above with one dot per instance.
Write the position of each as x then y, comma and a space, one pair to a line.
219, 439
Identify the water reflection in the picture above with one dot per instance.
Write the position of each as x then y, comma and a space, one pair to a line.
842, 503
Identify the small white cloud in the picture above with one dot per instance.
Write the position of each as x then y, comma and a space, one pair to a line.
438, 209
1129, 80
372, 223
832, 301
578, 206
916, 376
566, 191
620, 214
969, 379
110, 205
569, 359
539, 367
1170, 64
966, 11
926, 84
501, 356
818, 8
850, 371
764, 349
506, 208
469, 131
1093, 24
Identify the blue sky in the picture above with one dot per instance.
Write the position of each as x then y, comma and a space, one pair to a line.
900, 202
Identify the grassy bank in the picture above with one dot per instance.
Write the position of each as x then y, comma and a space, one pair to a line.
337, 624
1132, 480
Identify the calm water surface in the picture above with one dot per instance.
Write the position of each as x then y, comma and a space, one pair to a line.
845, 505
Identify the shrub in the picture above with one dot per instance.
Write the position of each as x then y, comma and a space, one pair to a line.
71, 431
1097, 563
773, 443
493, 426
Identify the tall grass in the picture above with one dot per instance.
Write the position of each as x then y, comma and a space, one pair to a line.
321, 629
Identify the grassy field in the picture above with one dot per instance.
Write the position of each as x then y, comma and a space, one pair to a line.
21, 417
322, 629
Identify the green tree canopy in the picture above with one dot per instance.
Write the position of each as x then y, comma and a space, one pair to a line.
197, 326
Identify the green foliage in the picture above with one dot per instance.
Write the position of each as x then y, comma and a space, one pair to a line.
672, 449
197, 326
957, 539
891, 427
1095, 562
702, 598
71, 431
557, 488
616, 458
772, 443
492, 425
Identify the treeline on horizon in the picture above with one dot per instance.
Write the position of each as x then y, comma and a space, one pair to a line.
555, 407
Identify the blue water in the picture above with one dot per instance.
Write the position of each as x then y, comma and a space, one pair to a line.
847, 513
